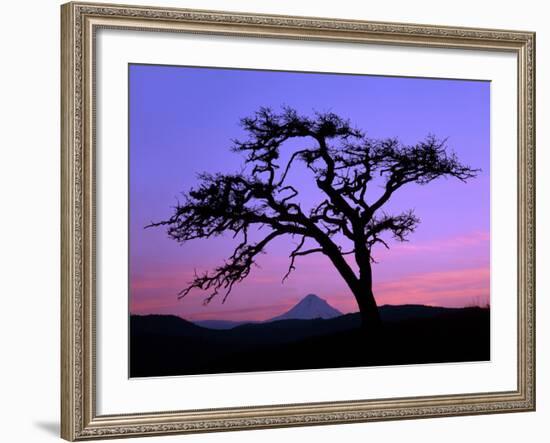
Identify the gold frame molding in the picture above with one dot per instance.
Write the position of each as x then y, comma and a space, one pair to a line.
79, 22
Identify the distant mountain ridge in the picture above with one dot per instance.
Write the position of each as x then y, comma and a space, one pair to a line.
222, 324
308, 308
172, 325
159, 324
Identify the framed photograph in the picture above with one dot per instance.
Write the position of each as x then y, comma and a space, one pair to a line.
282, 221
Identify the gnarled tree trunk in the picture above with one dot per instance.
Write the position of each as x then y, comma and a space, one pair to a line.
370, 316
360, 287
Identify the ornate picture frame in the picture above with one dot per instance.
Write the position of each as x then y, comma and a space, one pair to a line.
80, 23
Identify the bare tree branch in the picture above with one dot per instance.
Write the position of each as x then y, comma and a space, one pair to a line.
233, 271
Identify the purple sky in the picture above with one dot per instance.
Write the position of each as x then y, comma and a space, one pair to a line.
182, 121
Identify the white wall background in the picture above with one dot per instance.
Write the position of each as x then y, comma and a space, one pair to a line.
29, 220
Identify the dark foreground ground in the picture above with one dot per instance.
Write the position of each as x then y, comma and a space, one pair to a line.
168, 345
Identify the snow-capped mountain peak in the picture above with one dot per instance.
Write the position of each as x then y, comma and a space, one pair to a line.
310, 307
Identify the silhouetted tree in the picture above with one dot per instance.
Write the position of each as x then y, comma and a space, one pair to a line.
345, 165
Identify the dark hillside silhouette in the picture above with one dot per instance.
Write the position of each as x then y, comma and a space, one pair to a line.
413, 334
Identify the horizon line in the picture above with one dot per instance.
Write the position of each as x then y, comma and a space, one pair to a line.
468, 306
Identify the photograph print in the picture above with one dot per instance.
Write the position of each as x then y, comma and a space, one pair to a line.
295, 220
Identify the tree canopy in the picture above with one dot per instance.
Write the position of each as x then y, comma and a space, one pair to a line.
343, 163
